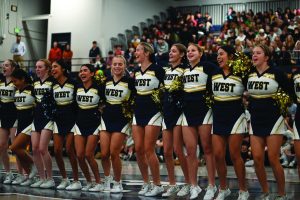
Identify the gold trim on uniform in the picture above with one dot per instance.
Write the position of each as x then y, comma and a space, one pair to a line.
195, 89
24, 107
144, 92
262, 96
226, 98
64, 103
87, 107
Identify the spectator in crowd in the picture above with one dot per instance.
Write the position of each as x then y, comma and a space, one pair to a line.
162, 52
67, 56
94, 51
231, 15
18, 49
55, 53
284, 57
296, 52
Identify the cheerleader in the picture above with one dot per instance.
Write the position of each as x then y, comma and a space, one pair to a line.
147, 118
296, 82
172, 134
114, 125
42, 127
87, 126
64, 121
197, 120
267, 123
229, 122
8, 115
24, 102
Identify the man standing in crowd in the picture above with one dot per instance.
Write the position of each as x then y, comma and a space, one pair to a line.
18, 50
94, 52
55, 53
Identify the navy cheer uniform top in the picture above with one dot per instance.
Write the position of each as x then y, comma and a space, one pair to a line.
115, 93
228, 110
8, 112
88, 114
64, 96
146, 111
266, 118
195, 110
25, 102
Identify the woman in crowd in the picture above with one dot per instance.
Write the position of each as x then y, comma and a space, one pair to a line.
197, 119
24, 102
147, 118
64, 121
42, 126
114, 125
229, 122
296, 128
267, 123
87, 126
172, 134
8, 116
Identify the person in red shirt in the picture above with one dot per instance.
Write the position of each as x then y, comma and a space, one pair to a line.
67, 56
54, 53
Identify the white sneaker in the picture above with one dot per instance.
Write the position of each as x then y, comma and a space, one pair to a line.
33, 172
223, 194
155, 190
19, 179
47, 184
75, 185
210, 192
285, 163
97, 188
107, 182
117, 187
88, 186
284, 197
63, 184
172, 190
27, 182
243, 195
265, 196
145, 188
8, 178
194, 191
37, 183
185, 190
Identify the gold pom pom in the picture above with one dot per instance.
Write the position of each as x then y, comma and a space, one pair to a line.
177, 84
240, 65
127, 108
157, 96
209, 99
283, 101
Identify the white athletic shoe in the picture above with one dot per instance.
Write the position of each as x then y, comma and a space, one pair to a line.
265, 196
107, 181
27, 182
194, 191
284, 197
98, 187
145, 188
223, 194
37, 183
75, 185
63, 184
172, 190
155, 190
19, 179
185, 190
210, 192
33, 172
47, 184
117, 187
88, 186
8, 178
243, 195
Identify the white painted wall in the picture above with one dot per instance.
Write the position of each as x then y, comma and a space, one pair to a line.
99, 20
38, 29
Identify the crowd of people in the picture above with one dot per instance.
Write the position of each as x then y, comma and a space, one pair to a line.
200, 101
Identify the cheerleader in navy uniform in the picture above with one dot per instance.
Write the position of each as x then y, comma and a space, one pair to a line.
24, 102
172, 134
87, 126
147, 118
296, 83
64, 95
267, 124
229, 121
197, 119
114, 125
42, 127
8, 114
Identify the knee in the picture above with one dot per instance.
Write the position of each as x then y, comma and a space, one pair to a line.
105, 155
57, 151
43, 150
3, 146
235, 156
258, 161
89, 156
207, 149
35, 149
80, 157
114, 155
274, 160
139, 149
191, 151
